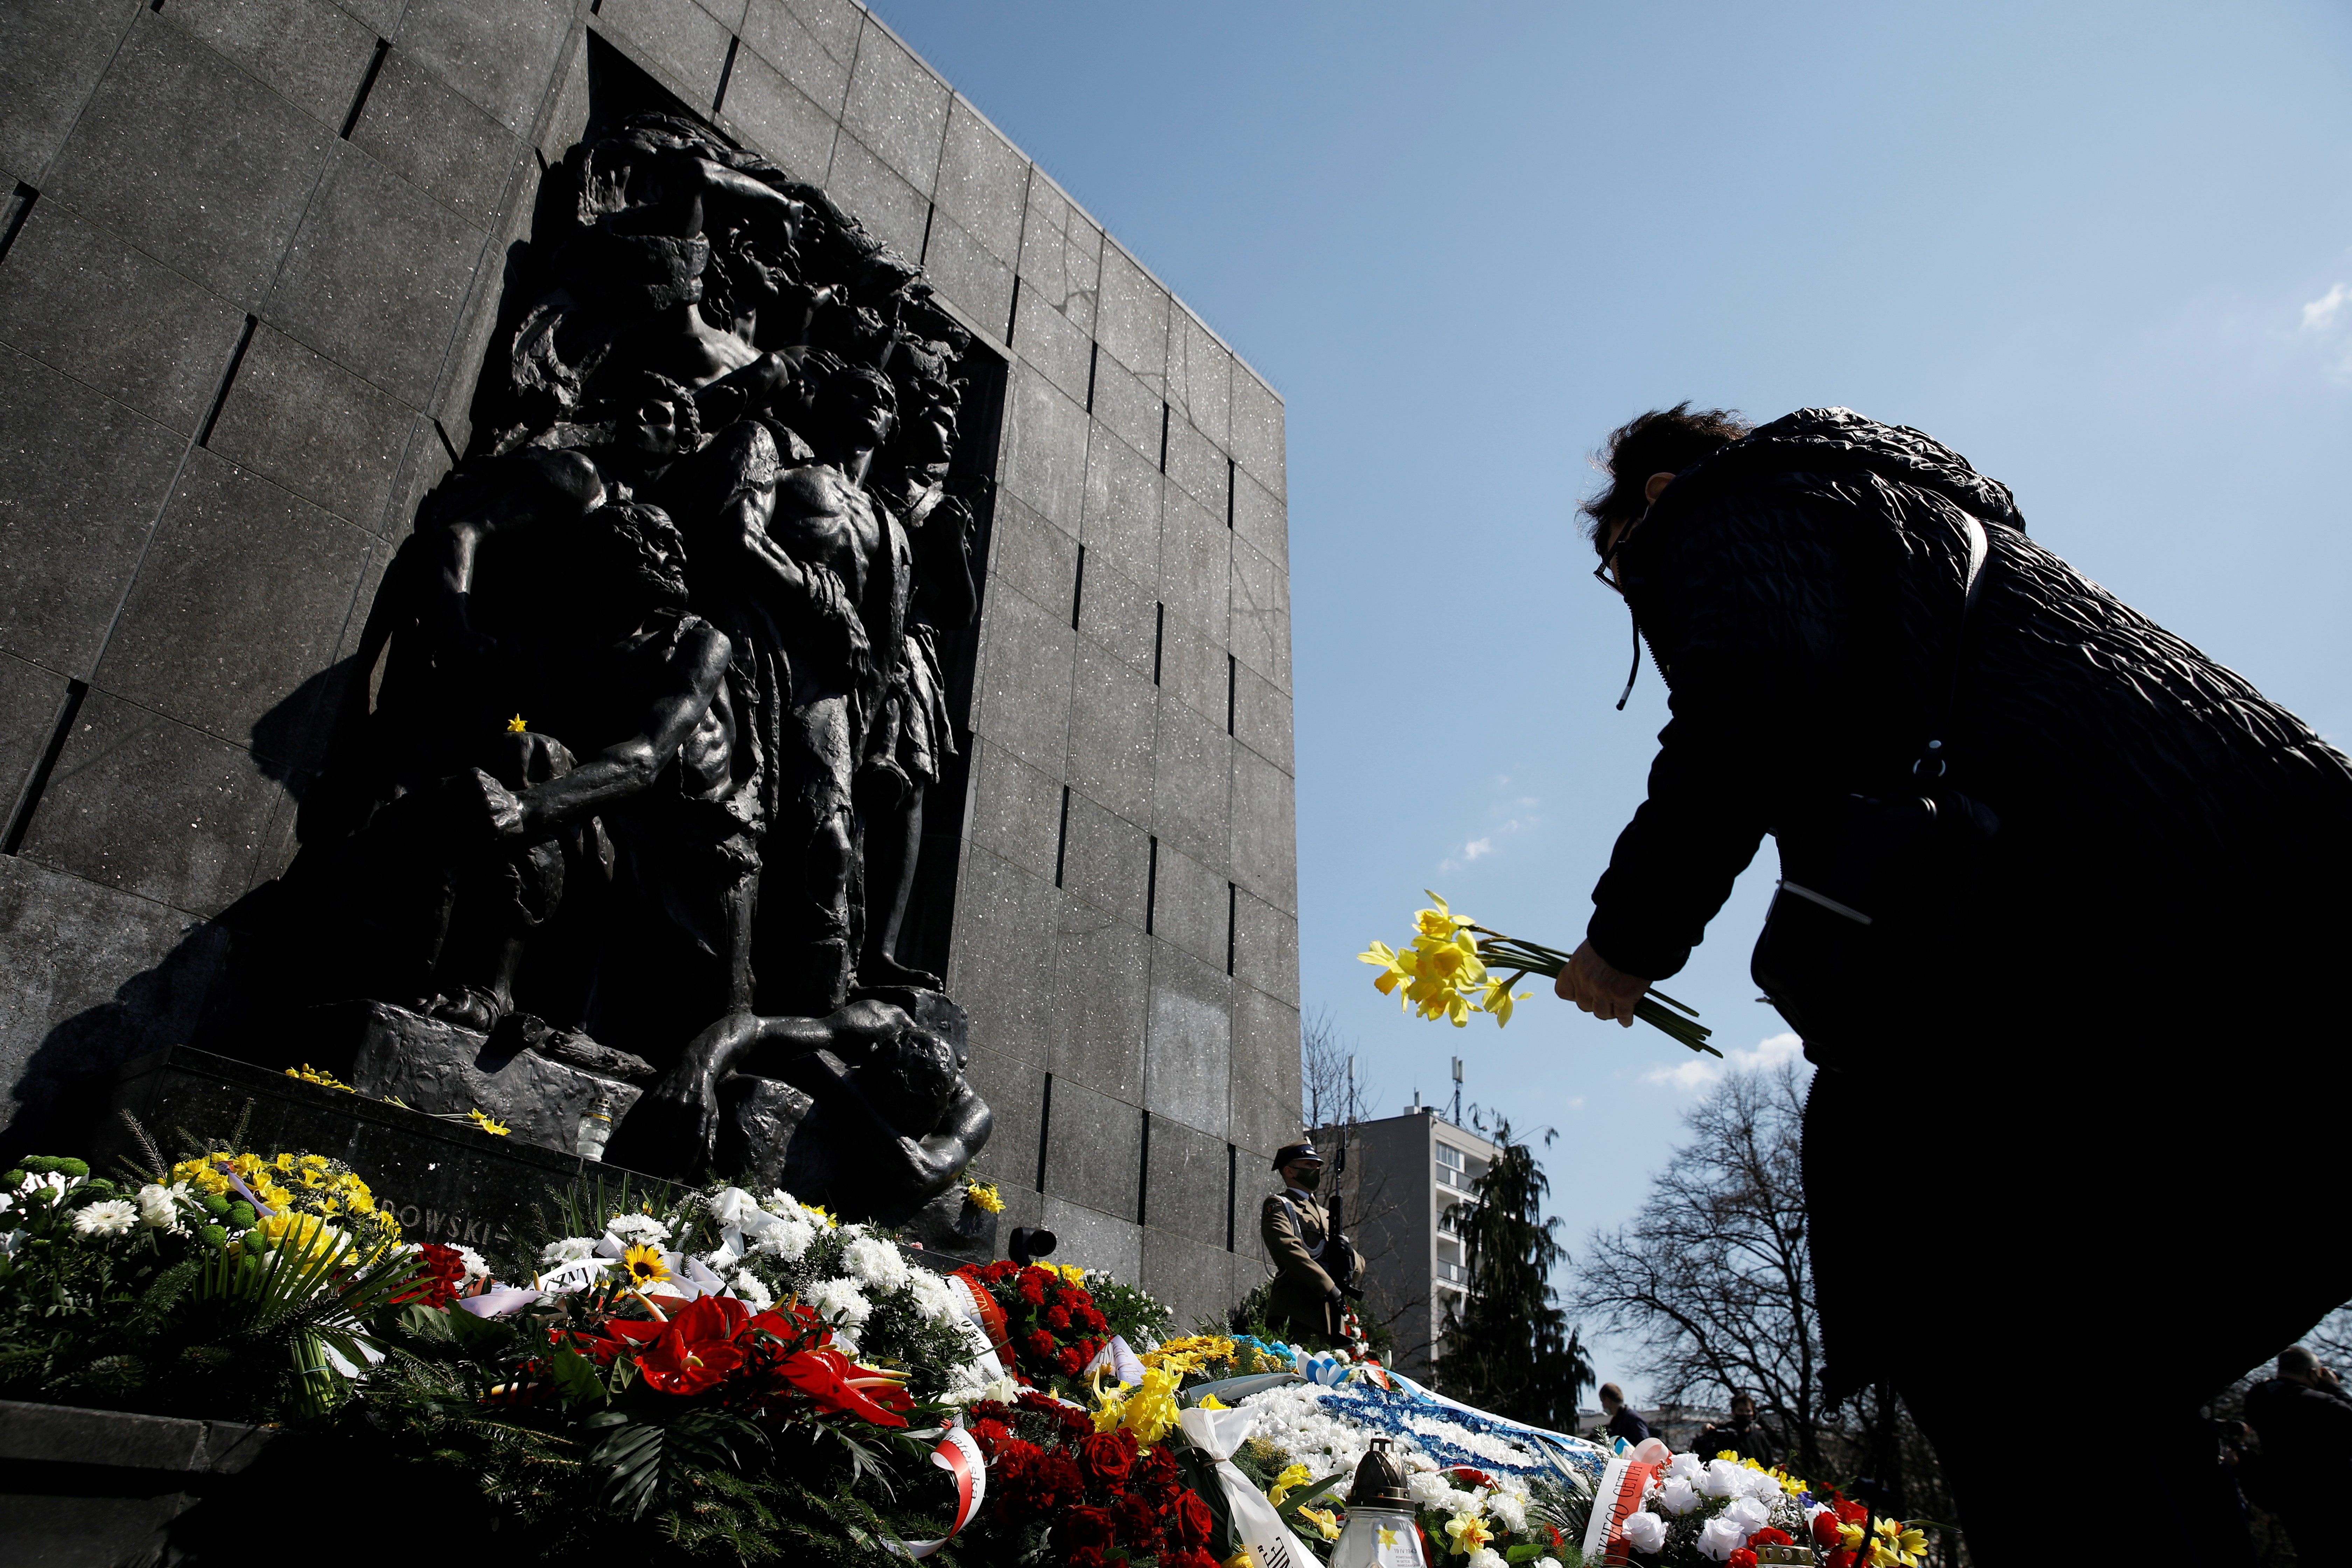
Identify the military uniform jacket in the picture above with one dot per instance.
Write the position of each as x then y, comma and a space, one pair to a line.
1298, 1241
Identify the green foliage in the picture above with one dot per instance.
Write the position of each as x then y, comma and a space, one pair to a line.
1509, 1349
1142, 1319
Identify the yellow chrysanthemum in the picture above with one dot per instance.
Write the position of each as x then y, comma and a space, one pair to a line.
644, 1265
1150, 1412
983, 1195
305, 1235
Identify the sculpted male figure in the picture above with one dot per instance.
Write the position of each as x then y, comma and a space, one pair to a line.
807, 572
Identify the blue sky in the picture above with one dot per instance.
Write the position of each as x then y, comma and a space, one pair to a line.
2105, 251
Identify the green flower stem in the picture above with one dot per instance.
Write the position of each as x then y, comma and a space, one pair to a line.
1497, 950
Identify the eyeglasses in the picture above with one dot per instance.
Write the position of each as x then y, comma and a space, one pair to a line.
1606, 572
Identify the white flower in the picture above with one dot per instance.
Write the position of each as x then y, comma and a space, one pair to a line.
1646, 1530
780, 1203
108, 1216
1764, 1485
788, 1238
1547, 1563
476, 1267
1721, 1536
158, 1205
1000, 1391
636, 1230
931, 1294
571, 1249
839, 1298
1686, 1467
1749, 1513
1429, 1488
732, 1205
1677, 1497
1722, 1478
1510, 1510
752, 1290
1487, 1557
878, 1263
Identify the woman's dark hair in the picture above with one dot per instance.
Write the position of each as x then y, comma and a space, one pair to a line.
1663, 441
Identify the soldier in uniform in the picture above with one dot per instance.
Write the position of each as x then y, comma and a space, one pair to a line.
1306, 1304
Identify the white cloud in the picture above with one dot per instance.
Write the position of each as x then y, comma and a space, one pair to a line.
2321, 313
1700, 1072
1477, 848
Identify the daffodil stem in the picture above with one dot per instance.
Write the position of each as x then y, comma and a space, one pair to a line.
1498, 950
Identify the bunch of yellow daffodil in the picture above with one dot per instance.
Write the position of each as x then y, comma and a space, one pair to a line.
1441, 974
1445, 974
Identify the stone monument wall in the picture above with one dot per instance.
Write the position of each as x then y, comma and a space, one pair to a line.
252, 262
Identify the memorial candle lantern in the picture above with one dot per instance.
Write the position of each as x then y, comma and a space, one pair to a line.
1380, 1531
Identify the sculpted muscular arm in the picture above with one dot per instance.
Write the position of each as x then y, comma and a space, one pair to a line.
803, 585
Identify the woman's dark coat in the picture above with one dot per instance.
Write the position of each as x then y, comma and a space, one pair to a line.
2108, 1130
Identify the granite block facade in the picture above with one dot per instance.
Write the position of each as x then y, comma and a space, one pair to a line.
253, 265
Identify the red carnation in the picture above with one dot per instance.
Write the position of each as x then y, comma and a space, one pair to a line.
1108, 1457
1155, 1476
1189, 1520
1071, 1361
1740, 1557
1085, 1526
1056, 1484
1033, 1286
1057, 1318
1092, 1321
1038, 1344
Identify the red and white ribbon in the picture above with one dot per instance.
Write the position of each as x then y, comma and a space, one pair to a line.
1622, 1487
960, 1456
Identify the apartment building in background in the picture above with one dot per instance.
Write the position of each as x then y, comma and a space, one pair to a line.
1396, 1179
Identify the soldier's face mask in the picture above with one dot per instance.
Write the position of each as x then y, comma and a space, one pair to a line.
1306, 1178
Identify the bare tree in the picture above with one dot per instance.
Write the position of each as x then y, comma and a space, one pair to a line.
1333, 1093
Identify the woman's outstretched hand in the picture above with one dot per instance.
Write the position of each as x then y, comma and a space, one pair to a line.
1599, 987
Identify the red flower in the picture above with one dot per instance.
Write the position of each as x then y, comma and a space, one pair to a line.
1156, 1477
1054, 1484
1071, 1360
989, 1433
695, 1349
1038, 1345
830, 1379
1092, 1321
1083, 1527
1033, 1286
1767, 1536
1476, 1478
1189, 1520
1057, 1318
1138, 1525
1825, 1529
1086, 1557
1190, 1557
1740, 1557
445, 1272
1108, 1457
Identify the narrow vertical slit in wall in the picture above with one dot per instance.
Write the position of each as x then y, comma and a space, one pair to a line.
20, 207
727, 74
367, 85
1233, 1190
1079, 588
1233, 923
1143, 1171
1062, 845
930, 216
1094, 360
1233, 686
27, 803
595, 7
447, 444
1013, 312
1163, 438
1229, 492
1150, 886
1044, 1127
1159, 636
155, 6
220, 398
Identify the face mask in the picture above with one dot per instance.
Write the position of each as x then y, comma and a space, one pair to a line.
1308, 1180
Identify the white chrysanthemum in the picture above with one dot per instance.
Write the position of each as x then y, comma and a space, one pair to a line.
636, 1230
108, 1216
570, 1249
933, 1297
839, 1298
780, 1203
475, 1265
732, 1205
1510, 1510
751, 1291
788, 1238
1431, 1489
1646, 1530
158, 1204
877, 1262
1678, 1497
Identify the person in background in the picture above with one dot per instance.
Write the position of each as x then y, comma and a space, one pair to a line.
1306, 1307
1623, 1422
1742, 1436
2305, 1420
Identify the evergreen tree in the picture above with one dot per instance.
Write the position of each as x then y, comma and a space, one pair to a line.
1508, 1348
